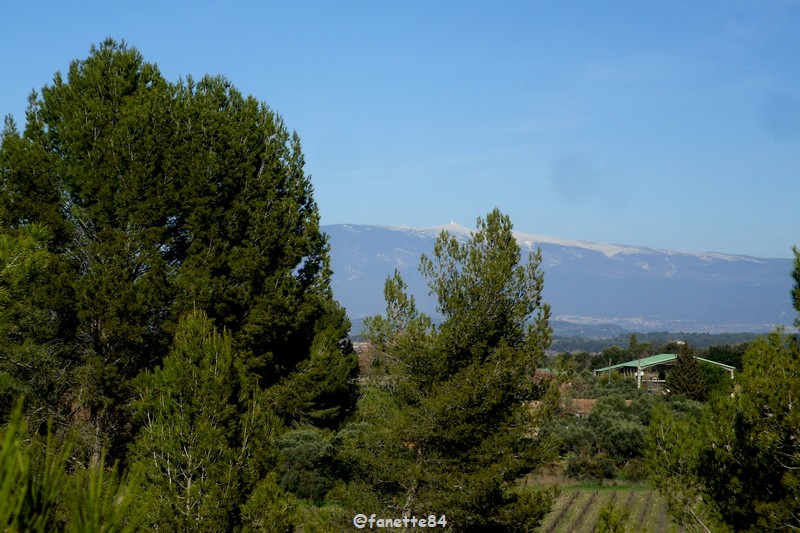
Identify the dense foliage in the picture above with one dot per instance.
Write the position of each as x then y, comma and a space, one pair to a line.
686, 378
445, 425
164, 286
40, 491
736, 466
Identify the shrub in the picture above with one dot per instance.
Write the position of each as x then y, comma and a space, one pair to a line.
635, 470
584, 466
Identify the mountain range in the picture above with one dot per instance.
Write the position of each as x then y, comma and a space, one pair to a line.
589, 286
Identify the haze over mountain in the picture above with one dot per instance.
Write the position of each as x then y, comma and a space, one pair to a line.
586, 283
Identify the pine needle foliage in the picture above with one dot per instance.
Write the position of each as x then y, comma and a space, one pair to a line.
32, 477
446, 426
41, 490
161, 198
207, 438
685, 377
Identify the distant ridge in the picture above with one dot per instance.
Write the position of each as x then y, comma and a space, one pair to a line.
632, 287
529, 240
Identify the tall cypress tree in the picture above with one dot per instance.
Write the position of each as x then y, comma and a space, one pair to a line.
685, 377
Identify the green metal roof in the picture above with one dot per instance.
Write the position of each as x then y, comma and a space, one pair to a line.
726, 367
643, 362
659, 359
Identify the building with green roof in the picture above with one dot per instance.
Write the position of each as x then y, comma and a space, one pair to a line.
638, 368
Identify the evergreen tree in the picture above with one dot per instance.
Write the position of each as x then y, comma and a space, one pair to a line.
163, 198
250, 251
750, 459
206, 442
92, 150
685, 377
739, 465
633, 345
40, 490
29, 365
446, 426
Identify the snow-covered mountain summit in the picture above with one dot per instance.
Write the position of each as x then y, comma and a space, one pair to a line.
635, 287
530, 241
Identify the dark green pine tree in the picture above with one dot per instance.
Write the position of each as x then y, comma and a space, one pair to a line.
163, 198
34, 360
28, 366
685, 378
93, 151
446, 425
252, 254
201, 453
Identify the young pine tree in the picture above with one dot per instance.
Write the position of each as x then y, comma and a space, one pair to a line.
29, 365
206, 439
446, 424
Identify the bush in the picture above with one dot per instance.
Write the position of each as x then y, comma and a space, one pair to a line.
584, 466
618, 428
635, 470
612, 519
305, 464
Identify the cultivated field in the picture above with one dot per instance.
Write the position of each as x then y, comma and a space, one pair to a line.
578, 507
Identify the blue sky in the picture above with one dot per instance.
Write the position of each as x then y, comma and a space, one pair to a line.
666, 124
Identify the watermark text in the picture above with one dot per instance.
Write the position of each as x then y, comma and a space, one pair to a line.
373, 521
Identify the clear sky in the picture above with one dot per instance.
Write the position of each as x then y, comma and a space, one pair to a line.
666, 124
